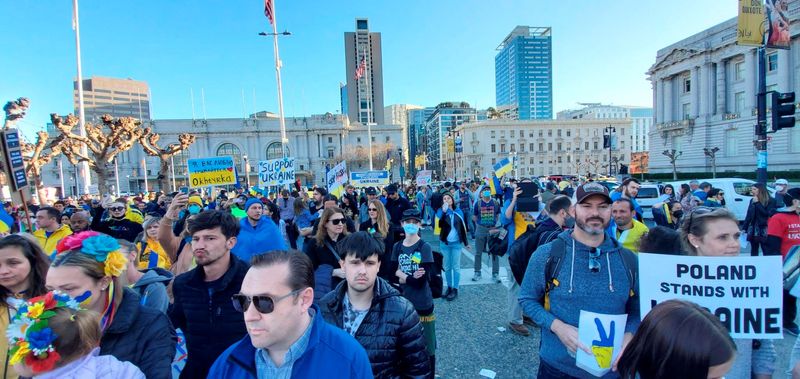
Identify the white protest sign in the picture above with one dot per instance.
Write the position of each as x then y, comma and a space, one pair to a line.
745, 293
276, 172
337, 177
424, 177
602, 334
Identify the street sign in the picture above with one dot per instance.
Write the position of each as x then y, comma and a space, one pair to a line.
14, 162
369, 178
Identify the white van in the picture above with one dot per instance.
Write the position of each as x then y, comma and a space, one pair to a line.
737, 193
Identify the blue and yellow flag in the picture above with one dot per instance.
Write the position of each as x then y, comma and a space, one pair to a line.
494, 184
503, 167
6, 221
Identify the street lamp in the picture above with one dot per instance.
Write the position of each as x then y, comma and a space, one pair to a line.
712, 153
246, 171
608, 142
284, 33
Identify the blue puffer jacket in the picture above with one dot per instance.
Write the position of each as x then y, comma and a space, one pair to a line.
265, 236
331, 353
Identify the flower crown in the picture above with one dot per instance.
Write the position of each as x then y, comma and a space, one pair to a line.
30, 338
103, 248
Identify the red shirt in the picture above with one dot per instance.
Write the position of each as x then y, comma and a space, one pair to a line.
785, 226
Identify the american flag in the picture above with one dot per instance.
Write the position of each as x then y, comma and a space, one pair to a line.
268, 11
361, 67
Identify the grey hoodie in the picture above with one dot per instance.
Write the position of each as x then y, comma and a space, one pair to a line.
152, 287
606, 291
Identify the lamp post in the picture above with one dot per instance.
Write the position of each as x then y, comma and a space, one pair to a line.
712, 153
400, 158
609, 142
278, 64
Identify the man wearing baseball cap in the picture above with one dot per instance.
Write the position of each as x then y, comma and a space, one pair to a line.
594, 273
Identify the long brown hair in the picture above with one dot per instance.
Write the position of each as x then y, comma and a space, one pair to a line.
381, 222
326, 216
763, 194
36, 258
78, 333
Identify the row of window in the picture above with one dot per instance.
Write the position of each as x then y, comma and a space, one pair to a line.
559, 147
738, 71
512, 133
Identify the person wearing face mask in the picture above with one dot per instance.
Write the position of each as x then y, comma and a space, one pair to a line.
781, 186
116, 225
668, 214
485, 215
714, 232
257, 234
520, 252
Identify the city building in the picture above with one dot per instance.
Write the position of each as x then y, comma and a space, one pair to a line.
417, 137
438, 131
117, 97
316, 142
523, 69
704, 96
641, 120
541, 147
397, 114
364, 68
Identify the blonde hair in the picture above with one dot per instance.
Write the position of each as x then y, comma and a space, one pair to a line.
382, 222
696, 225
91, 268
78, 333
326, 216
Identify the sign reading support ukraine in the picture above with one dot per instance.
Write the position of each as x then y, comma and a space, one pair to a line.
369, 178
215, 171
276, 172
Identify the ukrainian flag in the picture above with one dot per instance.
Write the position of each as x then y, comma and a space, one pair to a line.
6, 221
494, 184
503, 167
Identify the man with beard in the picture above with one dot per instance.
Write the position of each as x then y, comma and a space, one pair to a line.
629, 189
593, 272
257, 234
372, 311
202, 306
79, 221
116, 225
625, 229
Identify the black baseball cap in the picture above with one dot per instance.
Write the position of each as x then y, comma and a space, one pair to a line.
411, 214
590, 189
371, 191
391, 188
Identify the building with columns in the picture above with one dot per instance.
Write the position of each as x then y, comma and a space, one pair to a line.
315, 142
540, 147
704, 96
641, 120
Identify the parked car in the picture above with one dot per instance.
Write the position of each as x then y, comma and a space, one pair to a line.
648, 195
737, 193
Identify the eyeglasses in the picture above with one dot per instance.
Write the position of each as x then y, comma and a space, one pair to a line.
264, 304
372, 209
337, 221
721, 194
699, 211
594, 260
114, 209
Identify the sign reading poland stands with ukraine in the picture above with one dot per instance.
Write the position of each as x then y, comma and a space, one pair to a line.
276, 172
745, 293
215, 171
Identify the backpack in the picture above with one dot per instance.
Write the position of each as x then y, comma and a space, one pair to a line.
558, 250
436, 282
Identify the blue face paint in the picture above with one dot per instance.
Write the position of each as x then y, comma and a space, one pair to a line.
487, 194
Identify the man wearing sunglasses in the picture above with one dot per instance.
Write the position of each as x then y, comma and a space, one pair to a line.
287, 335
116, 225
372, 311
591, 275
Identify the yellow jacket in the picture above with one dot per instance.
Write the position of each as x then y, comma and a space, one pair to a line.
5, 317
48, 244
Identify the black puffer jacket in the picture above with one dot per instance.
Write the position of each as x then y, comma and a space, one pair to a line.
390, 332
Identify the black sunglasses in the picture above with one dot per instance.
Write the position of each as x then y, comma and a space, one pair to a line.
372, 209
264, 304
337, 221
594, 260
113, 209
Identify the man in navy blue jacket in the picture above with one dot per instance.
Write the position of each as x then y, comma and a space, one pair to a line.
287, 335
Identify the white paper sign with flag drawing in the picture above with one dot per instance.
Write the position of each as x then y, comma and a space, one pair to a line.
276, 172
745, 293
337, 177
603, 335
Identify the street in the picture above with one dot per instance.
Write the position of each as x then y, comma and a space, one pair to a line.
472, 331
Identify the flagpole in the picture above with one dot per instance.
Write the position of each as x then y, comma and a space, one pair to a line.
369, 105
274, 22
84, 166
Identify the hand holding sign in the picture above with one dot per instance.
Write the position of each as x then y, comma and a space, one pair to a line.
604, 333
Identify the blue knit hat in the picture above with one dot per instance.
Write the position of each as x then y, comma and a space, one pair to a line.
251, 201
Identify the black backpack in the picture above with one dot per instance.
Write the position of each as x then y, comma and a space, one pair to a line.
436, 282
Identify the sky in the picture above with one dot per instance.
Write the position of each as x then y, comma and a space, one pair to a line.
433, 50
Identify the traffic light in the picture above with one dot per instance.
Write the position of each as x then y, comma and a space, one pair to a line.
782, 110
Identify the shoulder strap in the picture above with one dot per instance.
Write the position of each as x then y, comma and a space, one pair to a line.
332, 250
558, 249
180, 247
630, 263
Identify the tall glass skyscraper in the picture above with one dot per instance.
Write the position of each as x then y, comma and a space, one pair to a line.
523, 70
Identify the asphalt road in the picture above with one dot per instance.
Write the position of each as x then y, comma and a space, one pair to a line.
473, 334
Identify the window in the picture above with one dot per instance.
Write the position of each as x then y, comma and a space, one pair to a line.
531, 160
474, 136
358, 139
731, 147
687, 84
521, 148
274, 151
586, 145
569, 133
595, 145
738, 70
686, 111
549, 133
386, 139
229, 149
511, 132
559, 159
541, 146
530, 134
558, 133
373, 138
549, 146
772, 62
330, 139
512, 148
494, 160
330, 153
494, 148
502, 148
530, 147
493, 134
558, 146
738, 102
541, 133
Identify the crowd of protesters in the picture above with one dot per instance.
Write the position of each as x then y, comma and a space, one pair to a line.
307, 284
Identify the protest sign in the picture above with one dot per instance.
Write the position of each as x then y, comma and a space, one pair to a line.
337, 177
369, 178
424, 177
276, 172
745, 293
602, 334
214, 171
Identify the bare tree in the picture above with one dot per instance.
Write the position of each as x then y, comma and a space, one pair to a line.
15, 111
37, 155
360, 155
673, 156
149, 141
103, 142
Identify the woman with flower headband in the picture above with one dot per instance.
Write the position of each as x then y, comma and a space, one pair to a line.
23, 267
91, 264
52, 337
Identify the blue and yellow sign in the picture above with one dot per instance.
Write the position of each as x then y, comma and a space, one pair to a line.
215, 171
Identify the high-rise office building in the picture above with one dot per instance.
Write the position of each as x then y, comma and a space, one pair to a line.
364, 67
117, 97
524, 74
